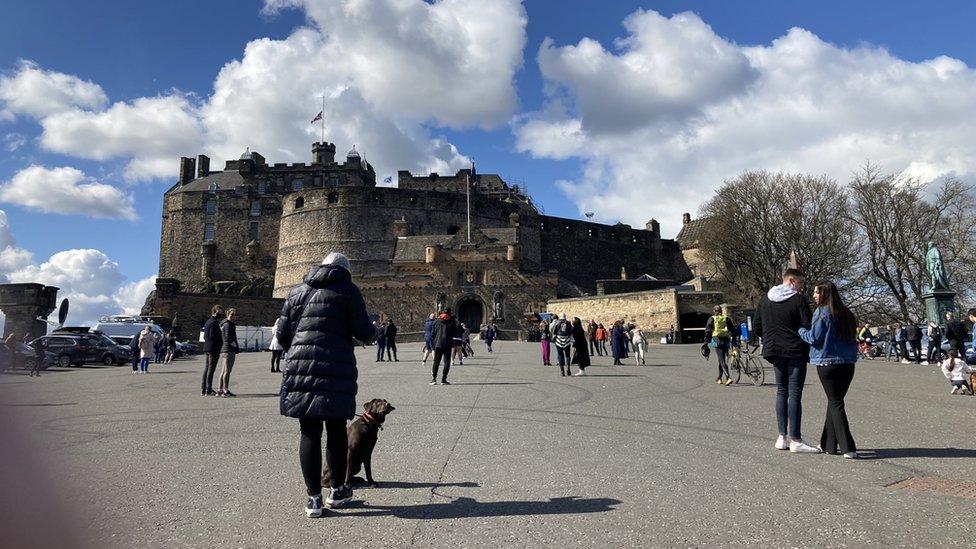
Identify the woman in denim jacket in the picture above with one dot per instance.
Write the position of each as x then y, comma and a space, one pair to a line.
833, 349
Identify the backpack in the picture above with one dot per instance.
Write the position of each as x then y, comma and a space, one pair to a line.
720, 327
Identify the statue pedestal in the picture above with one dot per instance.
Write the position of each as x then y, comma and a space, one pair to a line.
938, 303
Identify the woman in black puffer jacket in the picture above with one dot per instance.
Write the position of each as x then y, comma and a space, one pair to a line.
318, 323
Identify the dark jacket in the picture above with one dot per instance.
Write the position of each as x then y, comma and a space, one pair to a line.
618, 342
381, 334
318, 323
490, 334
445, 330
955, 330
228, 337
913, 333
429, 328
778, 324
581, 351
212, 340
391, 332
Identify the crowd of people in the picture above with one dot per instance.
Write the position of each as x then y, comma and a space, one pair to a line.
575, 345
904, 341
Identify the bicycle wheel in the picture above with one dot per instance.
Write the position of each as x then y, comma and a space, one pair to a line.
755, 370
735, 366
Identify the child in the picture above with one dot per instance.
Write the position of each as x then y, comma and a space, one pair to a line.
955, 371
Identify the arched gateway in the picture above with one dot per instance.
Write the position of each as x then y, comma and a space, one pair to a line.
471, 312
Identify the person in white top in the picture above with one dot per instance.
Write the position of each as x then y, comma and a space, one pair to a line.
640, 344
276, 349
957, 372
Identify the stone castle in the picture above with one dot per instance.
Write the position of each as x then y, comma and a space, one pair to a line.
245, 235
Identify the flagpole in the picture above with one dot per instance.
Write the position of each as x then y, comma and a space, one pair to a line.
323, 119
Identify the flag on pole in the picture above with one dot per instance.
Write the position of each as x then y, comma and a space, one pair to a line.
317, 117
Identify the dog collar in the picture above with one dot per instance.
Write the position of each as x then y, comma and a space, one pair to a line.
370, 420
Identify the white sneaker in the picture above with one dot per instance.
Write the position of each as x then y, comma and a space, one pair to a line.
802, 448
954, 391
851, 455
903, 361
781, 443
925, 363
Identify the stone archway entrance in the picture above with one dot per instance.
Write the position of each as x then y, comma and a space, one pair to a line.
471, 312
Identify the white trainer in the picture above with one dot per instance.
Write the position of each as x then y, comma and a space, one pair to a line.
954, 391
851, 455
800, 447
782, 443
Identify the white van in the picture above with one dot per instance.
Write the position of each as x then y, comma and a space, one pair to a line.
122, 328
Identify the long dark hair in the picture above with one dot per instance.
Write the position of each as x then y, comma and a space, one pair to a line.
844, 320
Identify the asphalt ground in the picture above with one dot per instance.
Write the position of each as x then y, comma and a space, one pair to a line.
510, 455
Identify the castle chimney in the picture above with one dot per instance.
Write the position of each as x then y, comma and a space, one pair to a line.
685, 218
430, 254
513, 253
513, 220
187, 166
653, 226
203, 165
400, 227
623, 273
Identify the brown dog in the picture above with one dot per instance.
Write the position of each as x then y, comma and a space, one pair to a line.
362, 433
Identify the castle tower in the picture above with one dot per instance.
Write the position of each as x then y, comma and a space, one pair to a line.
323, 153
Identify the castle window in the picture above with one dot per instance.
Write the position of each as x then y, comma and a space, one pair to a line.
542, 225
333, 198
262, 187
590, 233
252, 230
634, 239
172, 235
208, 232
211, 206
334, 181
255, 207
300, 202
296, 184
453, 229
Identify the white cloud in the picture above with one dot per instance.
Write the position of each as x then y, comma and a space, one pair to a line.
12, 258
151, 131
392, 70
36, 92
689, 109
66, 190
13, 141
132, 296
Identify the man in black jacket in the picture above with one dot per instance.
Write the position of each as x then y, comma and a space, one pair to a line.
390, 339
914, 336
319, 323
212, 342
781, 313
380, 339
956, 334
445, 330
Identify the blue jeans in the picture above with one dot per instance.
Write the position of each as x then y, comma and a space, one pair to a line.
144, 364
790, 375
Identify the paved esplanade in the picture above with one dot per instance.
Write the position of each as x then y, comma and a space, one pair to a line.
510, 455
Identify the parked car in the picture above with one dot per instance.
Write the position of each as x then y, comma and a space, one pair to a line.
79, 348
24, 357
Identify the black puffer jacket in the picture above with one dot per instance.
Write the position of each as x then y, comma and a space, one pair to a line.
445, 330
317, 326
782, 312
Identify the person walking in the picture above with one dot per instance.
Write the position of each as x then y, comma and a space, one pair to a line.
891, 346
781, 313
833, 349
913, 334
491, 331
276, 349
212, 342
902, 343
147, 348
390, 334
601, 340
228, 352
935, 344
562, 333
955, 332
670, 338
718, 334
466, 349
639, 341
170, 348
545, 339
618, 342
320, 321
136, 352
40, 353
380, 340
581, 354
443, 342
428, 337
591, 336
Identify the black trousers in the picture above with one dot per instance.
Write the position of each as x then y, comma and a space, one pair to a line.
935, 349
592, 346
391, 347
380, 345
960, 347
276, 361
209, 367
836, 380
310, 452
903, 348
917, 350
439, 354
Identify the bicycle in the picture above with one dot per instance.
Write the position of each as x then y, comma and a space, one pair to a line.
740, 362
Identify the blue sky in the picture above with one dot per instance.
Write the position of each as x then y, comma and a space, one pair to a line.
136, 50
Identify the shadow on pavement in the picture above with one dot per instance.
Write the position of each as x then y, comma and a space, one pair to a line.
154, 372
888, 453
43, 404
496, 383
468, 507
409, 485
258, 395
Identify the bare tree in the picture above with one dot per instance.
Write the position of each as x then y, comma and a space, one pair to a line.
758, 218
897, 216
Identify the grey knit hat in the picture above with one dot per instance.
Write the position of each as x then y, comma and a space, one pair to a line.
337, 259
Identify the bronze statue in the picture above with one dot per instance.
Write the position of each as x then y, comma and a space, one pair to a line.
936, 269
